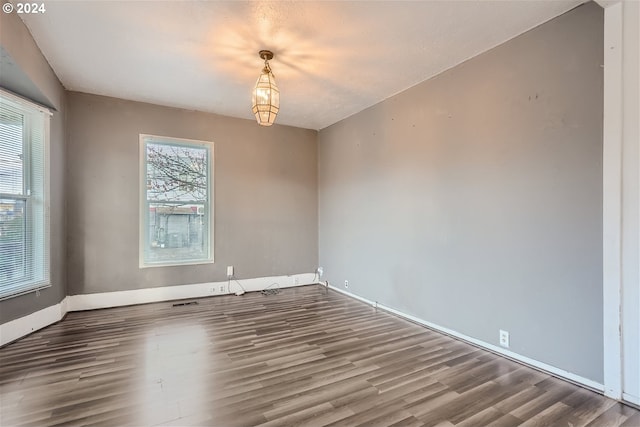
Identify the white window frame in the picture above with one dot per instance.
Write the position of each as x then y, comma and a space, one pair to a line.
39, 253
143, 226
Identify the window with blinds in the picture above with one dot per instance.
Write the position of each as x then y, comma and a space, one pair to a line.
24, 204
176, 207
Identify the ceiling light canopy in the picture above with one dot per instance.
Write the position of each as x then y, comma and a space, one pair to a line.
266, 96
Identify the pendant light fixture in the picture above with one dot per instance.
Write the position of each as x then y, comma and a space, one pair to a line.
266, 96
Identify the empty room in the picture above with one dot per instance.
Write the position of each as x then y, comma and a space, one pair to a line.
320, 213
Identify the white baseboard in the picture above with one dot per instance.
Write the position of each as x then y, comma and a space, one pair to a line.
64, 307
23, 326
168, 293
490, 347
631, 398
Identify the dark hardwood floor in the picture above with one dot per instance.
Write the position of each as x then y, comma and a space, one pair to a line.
306, 356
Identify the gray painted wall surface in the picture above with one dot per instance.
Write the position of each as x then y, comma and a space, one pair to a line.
474, 200
26, 72
265, 195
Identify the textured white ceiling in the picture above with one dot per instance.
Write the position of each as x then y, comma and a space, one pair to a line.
332, 59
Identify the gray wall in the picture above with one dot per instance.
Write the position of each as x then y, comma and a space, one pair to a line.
474, 200
265, 195
25, 71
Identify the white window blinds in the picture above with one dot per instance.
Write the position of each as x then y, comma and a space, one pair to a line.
24, 204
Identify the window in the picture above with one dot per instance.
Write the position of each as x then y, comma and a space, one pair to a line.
24, 198
176, 208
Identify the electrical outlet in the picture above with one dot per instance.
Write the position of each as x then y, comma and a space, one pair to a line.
320, 270
504, 338
229, 271
346, 284
218, 289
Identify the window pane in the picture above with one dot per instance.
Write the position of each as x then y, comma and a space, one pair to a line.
176, 173
24, 223
176, 206
11, 154
13, 241
177, 233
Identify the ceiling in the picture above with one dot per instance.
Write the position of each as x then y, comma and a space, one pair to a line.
332, 58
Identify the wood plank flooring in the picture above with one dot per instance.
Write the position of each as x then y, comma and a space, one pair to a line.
306, 356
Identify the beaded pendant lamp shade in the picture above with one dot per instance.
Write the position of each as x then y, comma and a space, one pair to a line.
266, 96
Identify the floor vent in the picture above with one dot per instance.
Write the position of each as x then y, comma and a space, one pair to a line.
178, 304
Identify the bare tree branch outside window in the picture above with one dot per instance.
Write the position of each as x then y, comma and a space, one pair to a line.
176, 173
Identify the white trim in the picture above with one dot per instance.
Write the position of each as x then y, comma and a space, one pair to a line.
630, 309
168, 293
142, 202
64, 307
490, 347
607, 3
612, 200
22, 326
354, 296
631, 398
22, 100
47, 198
38, 240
